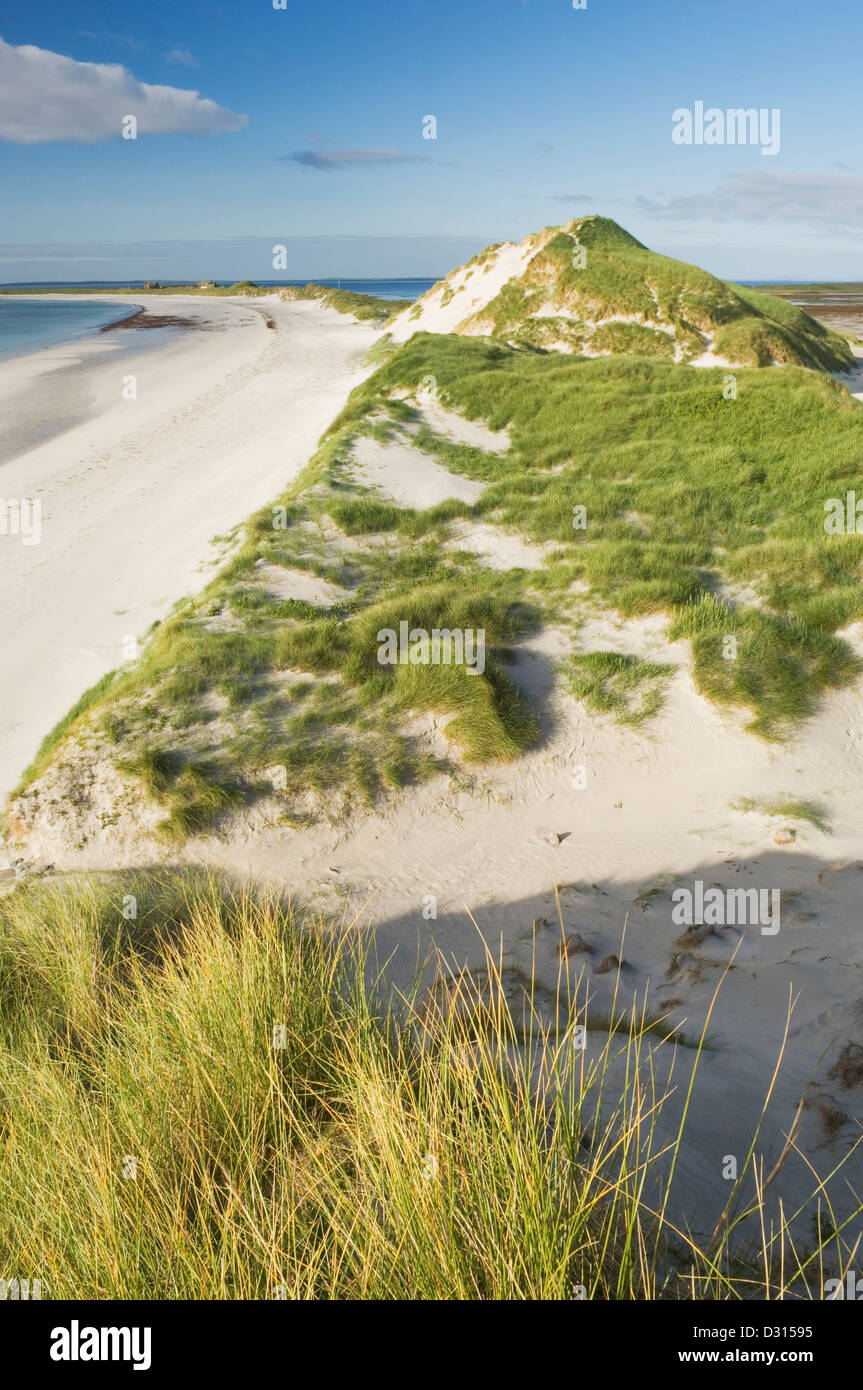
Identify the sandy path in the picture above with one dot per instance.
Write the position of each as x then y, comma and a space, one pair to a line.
133, 495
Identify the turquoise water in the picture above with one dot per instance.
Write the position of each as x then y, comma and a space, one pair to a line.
27, 325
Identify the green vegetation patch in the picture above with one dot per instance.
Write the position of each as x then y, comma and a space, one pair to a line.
632, 340
240, 681
620, 277
778, 666
626, 686
785, 808
361, 306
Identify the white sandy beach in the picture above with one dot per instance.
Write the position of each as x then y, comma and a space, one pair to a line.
134, 493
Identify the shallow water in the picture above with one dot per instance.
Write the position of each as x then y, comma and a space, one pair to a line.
27, 325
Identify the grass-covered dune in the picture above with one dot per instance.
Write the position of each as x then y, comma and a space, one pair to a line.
706, 508
213, 1097
361, 306
591, 287
688, 495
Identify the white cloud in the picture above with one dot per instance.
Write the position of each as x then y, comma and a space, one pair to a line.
46, 96
183, 57
832, 200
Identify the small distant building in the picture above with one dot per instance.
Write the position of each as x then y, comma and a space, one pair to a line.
206, 284
152, 285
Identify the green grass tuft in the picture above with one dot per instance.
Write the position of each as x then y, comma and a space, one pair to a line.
630, 688
786, 808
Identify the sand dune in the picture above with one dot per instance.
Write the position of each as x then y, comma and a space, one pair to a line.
615, 818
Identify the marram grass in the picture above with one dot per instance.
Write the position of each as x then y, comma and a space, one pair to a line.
706, 510
156, 1144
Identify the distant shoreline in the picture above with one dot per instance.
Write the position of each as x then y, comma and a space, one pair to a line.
26, 339
405, 287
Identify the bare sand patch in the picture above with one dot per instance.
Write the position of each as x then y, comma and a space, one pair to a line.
282, 582
498, 549
465, 293
409, 476
456, 427
852, 380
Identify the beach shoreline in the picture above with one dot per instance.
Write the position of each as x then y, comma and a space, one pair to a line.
150, 448
63, 337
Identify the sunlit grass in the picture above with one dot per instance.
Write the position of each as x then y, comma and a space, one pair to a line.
206, 1095
628, 687
786, 808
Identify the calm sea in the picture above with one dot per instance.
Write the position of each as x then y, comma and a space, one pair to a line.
30, 324
26, 325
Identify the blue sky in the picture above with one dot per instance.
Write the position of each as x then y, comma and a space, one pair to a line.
543, 112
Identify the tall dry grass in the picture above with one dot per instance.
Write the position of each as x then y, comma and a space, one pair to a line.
159, 1140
